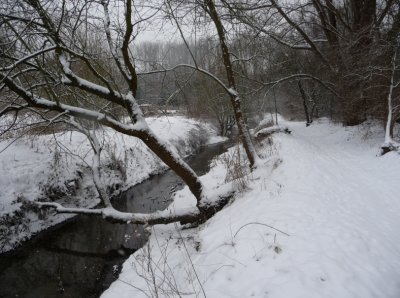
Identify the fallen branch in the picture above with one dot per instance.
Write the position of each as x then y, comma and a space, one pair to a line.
390, 146
184, 216
266, 132
115, 216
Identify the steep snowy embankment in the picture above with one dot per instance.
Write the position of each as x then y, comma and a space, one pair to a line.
55, 167
335, 198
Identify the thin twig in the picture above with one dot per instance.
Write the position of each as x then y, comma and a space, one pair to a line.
190, 260
261, 224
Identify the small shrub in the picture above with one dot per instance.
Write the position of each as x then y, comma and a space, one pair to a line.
236, 169
117, 162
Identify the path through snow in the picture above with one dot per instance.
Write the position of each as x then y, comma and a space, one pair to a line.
339, 202
349, 211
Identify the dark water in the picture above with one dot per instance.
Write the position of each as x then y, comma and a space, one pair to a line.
83, 257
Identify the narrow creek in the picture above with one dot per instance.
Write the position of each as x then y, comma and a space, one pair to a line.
83, 257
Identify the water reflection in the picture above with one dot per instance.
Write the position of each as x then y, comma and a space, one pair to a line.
74, 261
82, 258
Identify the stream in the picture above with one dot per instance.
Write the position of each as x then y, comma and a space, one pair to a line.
82, 257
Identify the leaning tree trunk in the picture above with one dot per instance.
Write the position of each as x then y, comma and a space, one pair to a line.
175, 162
233, 94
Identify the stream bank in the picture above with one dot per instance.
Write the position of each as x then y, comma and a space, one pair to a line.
83, 257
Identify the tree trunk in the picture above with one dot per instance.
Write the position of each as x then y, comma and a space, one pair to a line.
176, 163
304, 96
352, 103
233, 94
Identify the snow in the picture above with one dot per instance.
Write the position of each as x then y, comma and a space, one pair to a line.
270, 130
22, 171
80, 81
233, 92
30, 166
335, 201
216, 139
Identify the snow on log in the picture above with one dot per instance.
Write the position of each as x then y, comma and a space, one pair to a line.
187, 215
266, 132
390, 146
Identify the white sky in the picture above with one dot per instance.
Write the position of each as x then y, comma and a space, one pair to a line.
162, 30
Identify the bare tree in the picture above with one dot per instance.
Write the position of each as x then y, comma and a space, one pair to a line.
210, 8
390, 144
345, 37
230, 88
49, 66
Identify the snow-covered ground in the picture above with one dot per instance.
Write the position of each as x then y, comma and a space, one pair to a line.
55, 167
320, 219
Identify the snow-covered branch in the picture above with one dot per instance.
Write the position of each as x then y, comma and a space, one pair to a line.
188, 215
84, 113
74, 80
266, 132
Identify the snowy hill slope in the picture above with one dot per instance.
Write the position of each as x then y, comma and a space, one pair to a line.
338, 202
